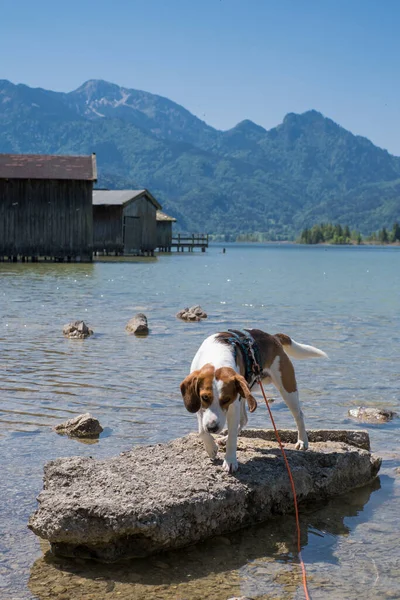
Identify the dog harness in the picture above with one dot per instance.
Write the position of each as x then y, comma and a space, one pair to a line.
250, 352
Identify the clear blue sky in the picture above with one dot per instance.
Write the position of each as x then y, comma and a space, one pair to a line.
224, 60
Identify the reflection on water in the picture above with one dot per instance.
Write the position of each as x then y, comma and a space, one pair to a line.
345, 301
257, 562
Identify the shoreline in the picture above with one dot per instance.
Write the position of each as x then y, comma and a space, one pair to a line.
293, 243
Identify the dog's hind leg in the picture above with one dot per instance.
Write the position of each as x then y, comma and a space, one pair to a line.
208, 440
283, 378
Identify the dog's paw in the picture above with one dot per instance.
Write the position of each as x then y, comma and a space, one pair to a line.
221, 441
212, 449
230, 465
302, 445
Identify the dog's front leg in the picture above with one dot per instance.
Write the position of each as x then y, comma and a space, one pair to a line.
243, 415
233, 419
206, 437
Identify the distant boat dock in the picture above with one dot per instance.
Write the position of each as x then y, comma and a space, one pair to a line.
196, 240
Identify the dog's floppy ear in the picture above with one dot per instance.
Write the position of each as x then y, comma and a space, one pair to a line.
244, 390
189, 392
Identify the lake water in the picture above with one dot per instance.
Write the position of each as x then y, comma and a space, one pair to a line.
343, 300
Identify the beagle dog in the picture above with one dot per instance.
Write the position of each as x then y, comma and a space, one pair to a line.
219, 384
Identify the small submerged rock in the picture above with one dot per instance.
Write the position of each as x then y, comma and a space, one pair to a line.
194, 313
138, 325
77, 330
372, 415
81, 426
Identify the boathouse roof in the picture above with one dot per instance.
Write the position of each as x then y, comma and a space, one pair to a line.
45, 166
121, 197
161, 216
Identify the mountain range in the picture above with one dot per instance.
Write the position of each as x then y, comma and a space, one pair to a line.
247, 179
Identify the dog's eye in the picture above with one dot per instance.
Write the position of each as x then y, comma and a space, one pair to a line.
205, 397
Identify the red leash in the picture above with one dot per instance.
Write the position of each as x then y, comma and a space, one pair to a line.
296, 510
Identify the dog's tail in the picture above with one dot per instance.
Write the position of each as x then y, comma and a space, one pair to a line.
297, 350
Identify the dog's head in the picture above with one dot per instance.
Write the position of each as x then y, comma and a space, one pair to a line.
214, 390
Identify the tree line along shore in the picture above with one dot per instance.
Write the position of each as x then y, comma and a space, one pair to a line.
322, 233
329, 233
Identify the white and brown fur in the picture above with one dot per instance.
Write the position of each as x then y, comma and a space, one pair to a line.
216, 388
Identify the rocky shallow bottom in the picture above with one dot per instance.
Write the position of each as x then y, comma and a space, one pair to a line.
258, 562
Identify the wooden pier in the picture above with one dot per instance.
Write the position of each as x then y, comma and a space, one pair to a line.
196, 240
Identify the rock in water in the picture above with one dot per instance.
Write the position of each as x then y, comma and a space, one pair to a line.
194, 313
198, 311
372, 415
167, 496
78, 330
82, 426
138, 325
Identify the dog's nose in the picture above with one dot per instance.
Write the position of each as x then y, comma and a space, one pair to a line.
213, 428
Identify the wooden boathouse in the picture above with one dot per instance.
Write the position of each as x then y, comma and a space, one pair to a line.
164, 231
124, 222
46, 207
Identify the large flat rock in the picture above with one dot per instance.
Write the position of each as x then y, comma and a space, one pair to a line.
167, 496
